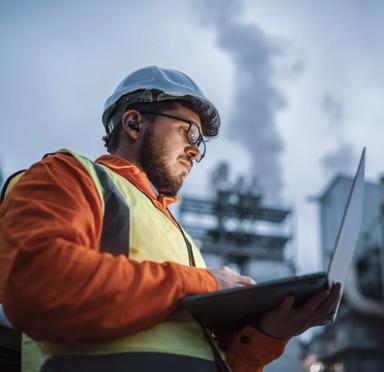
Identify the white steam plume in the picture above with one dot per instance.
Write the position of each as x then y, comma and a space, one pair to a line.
256, 100
342, 158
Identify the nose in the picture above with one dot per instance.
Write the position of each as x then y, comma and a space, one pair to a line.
193, 152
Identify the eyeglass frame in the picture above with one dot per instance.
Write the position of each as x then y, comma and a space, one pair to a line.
200, 138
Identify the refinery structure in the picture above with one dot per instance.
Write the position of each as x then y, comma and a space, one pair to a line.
234, 226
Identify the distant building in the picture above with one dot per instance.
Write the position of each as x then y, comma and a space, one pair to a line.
356, 341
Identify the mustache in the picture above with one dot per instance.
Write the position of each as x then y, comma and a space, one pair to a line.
187, 159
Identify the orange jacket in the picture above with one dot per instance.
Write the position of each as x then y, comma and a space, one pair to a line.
56, 285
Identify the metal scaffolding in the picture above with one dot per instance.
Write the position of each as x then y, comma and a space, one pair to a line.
234, 223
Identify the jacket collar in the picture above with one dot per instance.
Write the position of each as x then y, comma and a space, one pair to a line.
133, 174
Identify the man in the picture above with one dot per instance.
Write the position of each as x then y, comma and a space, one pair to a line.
93, 264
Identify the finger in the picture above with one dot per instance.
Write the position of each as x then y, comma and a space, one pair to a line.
232, 284
228, 270
330, 303
333, 310
287, 303
314, 301
325, 315
246, 280
321, 320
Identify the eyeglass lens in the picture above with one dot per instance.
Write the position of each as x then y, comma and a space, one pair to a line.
195, 138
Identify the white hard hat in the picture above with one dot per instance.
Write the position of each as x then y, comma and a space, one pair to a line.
154, 84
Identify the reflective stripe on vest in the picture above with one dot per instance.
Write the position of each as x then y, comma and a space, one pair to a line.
135, 227
115, 234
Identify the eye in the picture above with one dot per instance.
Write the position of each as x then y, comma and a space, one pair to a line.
183, 131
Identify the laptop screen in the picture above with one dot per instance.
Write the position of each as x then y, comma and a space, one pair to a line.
349, 229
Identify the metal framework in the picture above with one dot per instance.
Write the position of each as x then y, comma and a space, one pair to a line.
234, 233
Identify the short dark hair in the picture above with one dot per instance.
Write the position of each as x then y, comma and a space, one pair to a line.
112, 141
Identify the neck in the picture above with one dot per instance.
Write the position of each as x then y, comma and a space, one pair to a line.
131, 156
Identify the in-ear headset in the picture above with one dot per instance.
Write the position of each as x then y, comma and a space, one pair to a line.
133, 124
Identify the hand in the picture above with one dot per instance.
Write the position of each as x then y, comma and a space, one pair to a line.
286, 321
227, 278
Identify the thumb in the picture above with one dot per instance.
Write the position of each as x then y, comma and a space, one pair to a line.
287, 303
246, 280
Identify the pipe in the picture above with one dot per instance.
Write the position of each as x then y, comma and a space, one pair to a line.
357, 300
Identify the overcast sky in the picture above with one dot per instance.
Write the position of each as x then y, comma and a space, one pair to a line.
299, 85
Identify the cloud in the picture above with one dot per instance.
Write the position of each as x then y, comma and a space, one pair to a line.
332, 108
340, 160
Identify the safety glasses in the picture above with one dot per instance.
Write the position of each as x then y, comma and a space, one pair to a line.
193, 133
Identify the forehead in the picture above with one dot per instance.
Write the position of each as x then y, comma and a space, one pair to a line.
186, 113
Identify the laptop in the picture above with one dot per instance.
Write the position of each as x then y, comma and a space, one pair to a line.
237, 307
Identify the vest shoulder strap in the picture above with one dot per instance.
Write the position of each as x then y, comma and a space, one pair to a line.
115, 233
10, 182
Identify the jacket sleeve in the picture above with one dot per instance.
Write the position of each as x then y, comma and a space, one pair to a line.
59, 288
251, 349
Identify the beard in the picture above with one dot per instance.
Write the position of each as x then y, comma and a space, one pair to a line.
153, 161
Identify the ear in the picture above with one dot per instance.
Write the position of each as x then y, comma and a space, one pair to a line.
126, 121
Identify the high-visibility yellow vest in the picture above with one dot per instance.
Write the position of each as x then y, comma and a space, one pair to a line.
141, 231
